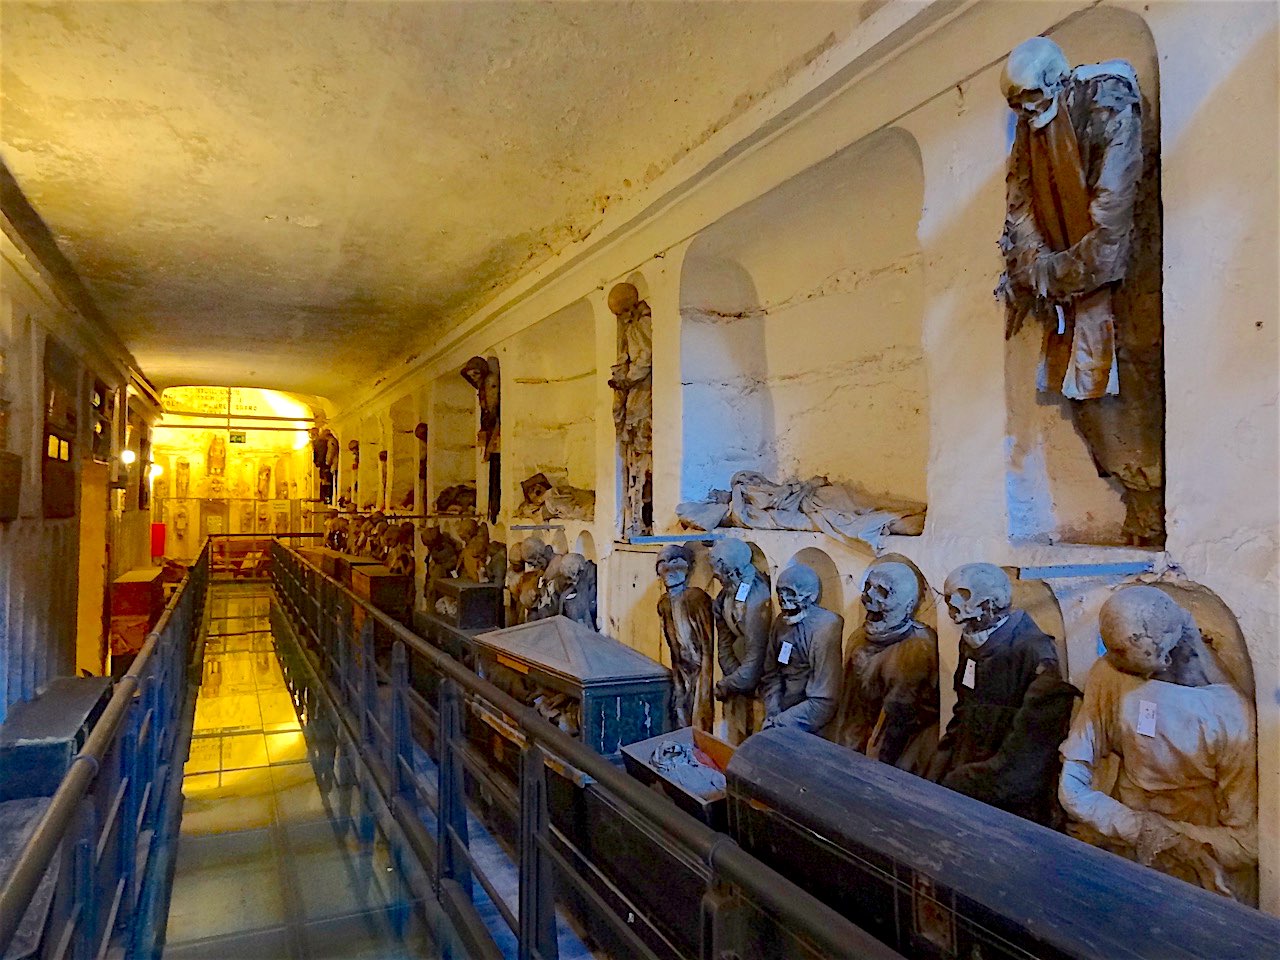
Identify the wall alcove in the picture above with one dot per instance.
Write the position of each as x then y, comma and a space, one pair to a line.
801, 318
549, 399
1053, 489
452, 438
820, 562
404, 454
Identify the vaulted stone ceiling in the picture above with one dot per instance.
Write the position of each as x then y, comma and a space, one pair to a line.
296, 195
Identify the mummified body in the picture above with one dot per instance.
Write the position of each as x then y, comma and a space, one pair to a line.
1012, 705
744, 616
686, 617
1185, 796
802, 665
632, 382
889, 706
1083, 256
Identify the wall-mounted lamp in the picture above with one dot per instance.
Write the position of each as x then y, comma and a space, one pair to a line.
127, 457
156, 470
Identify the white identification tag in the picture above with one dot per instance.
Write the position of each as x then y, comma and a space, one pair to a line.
970, 679
784, 655
1146, 718
743, 590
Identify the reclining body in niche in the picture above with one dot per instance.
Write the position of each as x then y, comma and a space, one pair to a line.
544, 500
843, 511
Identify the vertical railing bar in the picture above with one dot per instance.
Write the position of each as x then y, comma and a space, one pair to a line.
537, 933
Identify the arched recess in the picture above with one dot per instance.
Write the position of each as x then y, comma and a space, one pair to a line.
549, 401
832, 596
585, 545
1040, 602
404, 455
801, 329
1053, 489
1220, 629
452, 436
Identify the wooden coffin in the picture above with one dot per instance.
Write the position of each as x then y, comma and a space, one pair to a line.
468, 605
622, 695
936, 874
673, 763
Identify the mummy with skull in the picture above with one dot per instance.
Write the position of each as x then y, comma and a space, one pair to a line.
1012, 705
1184, 799
803, 669
743, 617
889, 706
686, 616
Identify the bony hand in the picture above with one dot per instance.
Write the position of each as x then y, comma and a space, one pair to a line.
1155, 835
720, 692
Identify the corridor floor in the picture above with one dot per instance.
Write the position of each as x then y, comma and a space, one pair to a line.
264, 870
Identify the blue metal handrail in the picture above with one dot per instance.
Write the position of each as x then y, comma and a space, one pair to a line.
737, 886
111, 812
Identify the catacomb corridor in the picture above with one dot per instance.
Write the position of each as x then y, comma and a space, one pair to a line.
658, 479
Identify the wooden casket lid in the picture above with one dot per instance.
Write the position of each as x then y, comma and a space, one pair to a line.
565, 647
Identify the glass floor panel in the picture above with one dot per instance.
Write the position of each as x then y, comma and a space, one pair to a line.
265, 867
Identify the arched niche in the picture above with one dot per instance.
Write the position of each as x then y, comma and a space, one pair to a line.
557, 538
370, 436
404, 454
832, 596
801, 325
452, 434
1054, 492
1041, 604
585, 544
549, 401
1220, 629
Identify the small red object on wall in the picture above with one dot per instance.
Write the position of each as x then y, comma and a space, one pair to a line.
157, 539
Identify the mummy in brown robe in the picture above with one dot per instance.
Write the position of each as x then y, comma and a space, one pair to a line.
687, 625
1082, 257
889, 706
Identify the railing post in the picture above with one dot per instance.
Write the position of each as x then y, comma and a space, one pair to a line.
367, 693
537, 934
401, 751
340, 665
724, 924
85, 891
451, 818
129, 818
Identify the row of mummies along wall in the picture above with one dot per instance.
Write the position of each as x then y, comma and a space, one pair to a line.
879, 354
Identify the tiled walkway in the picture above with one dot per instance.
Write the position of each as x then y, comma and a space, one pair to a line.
263, 870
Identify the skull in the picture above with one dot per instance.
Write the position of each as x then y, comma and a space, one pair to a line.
1140, 628
673, 565
535, 553
1033, 78
731, 562
891, 596
798, 590
623, 298
978, 595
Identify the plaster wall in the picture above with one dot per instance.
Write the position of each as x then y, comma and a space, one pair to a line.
1218, 112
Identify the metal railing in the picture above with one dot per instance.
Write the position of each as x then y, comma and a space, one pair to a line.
739, 896
108, 829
